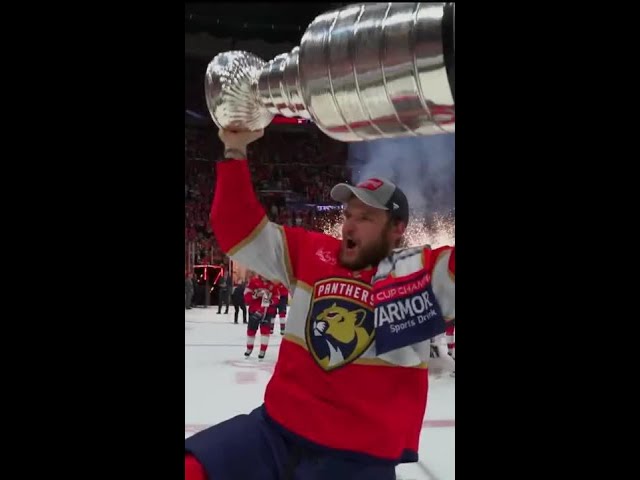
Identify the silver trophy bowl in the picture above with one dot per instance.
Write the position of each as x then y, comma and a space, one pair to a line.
231, 91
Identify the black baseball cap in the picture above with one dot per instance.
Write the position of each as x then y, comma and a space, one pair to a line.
378, 193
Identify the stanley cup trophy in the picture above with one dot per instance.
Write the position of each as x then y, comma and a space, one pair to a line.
363, 72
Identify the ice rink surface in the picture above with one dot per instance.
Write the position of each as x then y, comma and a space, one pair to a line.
220, 383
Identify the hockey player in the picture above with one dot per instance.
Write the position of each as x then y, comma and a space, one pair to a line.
260, 295
441, 359
451, 338
272, 309
348, 394
282, 307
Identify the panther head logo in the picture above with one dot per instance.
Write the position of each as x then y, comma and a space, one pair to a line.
341, 335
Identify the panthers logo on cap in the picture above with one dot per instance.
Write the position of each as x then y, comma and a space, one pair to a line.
340, 325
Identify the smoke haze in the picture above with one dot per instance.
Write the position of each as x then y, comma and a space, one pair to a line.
423, 167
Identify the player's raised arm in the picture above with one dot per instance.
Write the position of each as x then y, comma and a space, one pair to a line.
239, 222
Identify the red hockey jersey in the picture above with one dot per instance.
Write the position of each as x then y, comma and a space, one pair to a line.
277, 293
284, 292
260, 294
329, 385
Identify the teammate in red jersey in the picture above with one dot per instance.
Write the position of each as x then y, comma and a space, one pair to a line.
261, 295
272, 310
281, 309
348, 394
451, 339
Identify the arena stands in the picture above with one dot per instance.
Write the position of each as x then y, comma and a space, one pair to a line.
293, 172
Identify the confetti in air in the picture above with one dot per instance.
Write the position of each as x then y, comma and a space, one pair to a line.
436, 233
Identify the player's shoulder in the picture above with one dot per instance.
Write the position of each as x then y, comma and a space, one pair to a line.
436, 252
419, 250
443, 248
408, 251
322, 237
304, 235
312, 239
433, 256
407, 260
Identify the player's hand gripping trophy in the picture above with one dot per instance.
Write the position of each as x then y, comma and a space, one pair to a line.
363, 72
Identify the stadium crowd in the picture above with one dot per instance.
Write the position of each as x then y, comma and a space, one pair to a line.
293, 173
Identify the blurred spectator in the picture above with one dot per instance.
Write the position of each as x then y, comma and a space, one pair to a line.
223, 293
237, 299
188, 290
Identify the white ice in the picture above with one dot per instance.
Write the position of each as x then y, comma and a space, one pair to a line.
221, 383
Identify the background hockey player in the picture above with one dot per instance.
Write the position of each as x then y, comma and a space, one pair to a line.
441, 360
260, 295
450, 332
282, 307
348, 394
272, 310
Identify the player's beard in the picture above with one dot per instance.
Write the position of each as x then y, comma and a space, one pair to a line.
369, 255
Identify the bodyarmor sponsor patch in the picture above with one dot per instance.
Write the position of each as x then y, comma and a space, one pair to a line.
406, 312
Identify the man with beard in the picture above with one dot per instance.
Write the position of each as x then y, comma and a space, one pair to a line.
348, 394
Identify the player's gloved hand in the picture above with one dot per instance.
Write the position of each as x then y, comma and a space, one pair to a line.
235, 143
255, 316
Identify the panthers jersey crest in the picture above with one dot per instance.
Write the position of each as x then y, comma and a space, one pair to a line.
340, 325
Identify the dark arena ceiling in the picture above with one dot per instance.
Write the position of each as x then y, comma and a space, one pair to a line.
214, 26
272, 22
